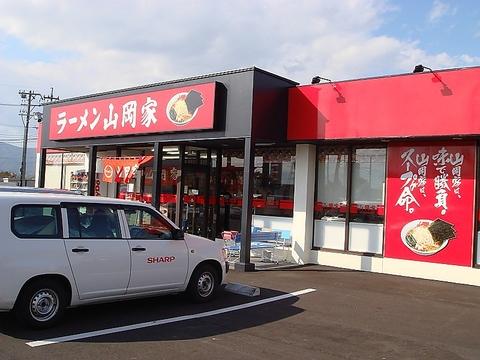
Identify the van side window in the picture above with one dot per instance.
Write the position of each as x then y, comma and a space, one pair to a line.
147, 224
92, 221
36, 221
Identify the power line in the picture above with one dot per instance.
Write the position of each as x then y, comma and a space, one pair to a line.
7, 104
17, 126
16, 139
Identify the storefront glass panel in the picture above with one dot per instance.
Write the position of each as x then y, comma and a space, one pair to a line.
196, 169
170, 180
134, 173
274, 179
231, 190
212, 219
367, 200
102, 187
67, 170
477, 260
331, 198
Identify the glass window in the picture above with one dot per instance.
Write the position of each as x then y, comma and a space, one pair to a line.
36, 221
212, 214
147, 224
368, 185
170, 181
135, 177
66, 170
105, 174
195, 188
367, 200
273, 182
231, 189
331, 198
93, 222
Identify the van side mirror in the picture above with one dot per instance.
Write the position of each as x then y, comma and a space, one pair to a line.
178, 234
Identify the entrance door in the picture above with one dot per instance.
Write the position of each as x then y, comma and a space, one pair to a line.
196, 191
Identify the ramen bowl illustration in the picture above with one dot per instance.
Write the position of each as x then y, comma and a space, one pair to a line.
182, 107
427, 237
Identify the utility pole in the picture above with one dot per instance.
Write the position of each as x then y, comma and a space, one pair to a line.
30, 96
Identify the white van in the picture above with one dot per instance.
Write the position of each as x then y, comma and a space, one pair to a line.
61, 250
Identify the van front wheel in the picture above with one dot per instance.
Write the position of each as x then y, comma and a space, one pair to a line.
41, 304
203, 283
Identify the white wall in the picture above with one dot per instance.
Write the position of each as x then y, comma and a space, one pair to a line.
37, 169
364, 237
302, 230
53, 175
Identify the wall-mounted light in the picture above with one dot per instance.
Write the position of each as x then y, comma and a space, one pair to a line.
446, 91
420, 68
318, 79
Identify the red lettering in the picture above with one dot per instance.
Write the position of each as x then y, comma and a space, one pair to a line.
160, 259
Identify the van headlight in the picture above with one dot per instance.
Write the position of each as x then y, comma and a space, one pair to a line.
225, 253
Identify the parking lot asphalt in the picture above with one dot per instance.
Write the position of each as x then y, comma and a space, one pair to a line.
351, 315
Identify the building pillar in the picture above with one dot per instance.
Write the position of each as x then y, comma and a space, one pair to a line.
92, 169
118, 153
42, 168
157, 175
180, 190
246, 222
302, 229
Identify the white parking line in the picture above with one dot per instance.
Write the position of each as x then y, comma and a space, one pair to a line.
165, 321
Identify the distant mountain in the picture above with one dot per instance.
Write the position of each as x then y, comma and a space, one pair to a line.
11, 159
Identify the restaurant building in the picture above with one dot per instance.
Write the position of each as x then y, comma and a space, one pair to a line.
376, 174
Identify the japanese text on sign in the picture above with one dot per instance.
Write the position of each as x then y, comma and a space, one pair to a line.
129, 117
177, 109
446, 174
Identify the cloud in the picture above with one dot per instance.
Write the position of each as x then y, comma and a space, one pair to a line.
118, 44
440, 9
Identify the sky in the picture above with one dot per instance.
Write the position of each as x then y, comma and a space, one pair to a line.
83, 47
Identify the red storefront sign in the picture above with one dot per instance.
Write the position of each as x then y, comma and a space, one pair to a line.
180, 109
430, 202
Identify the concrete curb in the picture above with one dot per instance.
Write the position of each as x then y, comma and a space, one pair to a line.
242, 289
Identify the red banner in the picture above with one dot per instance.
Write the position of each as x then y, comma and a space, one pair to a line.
180, 109
122, 169
430, 202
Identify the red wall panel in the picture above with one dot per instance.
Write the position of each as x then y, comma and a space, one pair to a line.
398, 106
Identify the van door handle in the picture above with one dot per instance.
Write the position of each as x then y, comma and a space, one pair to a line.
138, 248
79, 250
